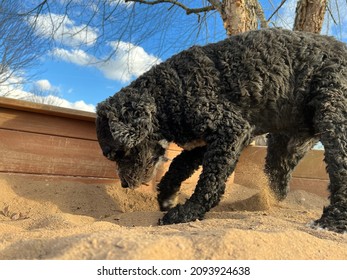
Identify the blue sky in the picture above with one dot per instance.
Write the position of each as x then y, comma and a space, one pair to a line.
73, 68
77, 82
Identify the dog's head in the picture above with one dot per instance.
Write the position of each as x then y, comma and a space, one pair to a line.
125, 127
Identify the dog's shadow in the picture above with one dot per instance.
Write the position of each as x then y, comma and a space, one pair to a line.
51, 195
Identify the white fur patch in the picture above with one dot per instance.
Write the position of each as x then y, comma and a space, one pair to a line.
313, 225
171, 202
164, 143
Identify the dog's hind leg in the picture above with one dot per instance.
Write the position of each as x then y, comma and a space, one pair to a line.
181, 168
331, 123
283, 154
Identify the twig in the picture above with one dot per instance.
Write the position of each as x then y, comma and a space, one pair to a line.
176, 3
275, 12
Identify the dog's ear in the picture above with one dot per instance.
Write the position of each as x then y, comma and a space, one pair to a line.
131, 120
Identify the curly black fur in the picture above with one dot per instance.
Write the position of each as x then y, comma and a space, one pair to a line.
292, 85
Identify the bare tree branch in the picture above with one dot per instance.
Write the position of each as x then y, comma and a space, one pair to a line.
38, 8
42, 96
332, 15
113, 20
217, 4
277, 9
176, 3
19, 46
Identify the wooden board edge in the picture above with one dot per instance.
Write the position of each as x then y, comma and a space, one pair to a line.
22, 105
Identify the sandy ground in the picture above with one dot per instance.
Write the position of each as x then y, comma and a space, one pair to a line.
46, 219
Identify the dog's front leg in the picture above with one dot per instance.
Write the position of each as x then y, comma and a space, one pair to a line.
181, 168
219, 161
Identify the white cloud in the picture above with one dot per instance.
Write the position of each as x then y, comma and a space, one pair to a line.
65, 30
80, 105
42, 89
129, 61
51, 100
44, 85
13, 88
78, 57
120, 2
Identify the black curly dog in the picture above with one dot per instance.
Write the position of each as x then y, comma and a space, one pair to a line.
213, 100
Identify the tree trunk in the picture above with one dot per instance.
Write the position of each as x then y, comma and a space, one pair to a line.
310, 15
239, 16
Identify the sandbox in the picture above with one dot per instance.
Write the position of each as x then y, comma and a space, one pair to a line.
61, 199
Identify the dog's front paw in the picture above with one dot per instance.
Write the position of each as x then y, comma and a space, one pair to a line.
183, 213
334, 218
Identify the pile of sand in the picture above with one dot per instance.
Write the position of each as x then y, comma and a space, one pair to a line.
70, 220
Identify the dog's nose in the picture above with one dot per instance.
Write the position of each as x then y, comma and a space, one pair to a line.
106, 151
124, 184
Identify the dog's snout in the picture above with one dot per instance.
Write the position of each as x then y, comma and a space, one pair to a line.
106, 150
124, 184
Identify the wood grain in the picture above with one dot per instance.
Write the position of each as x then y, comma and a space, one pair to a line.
23, 152
12, 119
316, 186
311, 166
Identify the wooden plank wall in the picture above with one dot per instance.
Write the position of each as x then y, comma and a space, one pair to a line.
45, 140
46, 143
310, 174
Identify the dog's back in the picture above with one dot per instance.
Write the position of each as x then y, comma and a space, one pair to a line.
267, 71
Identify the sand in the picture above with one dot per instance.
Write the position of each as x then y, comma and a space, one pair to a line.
57, 219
